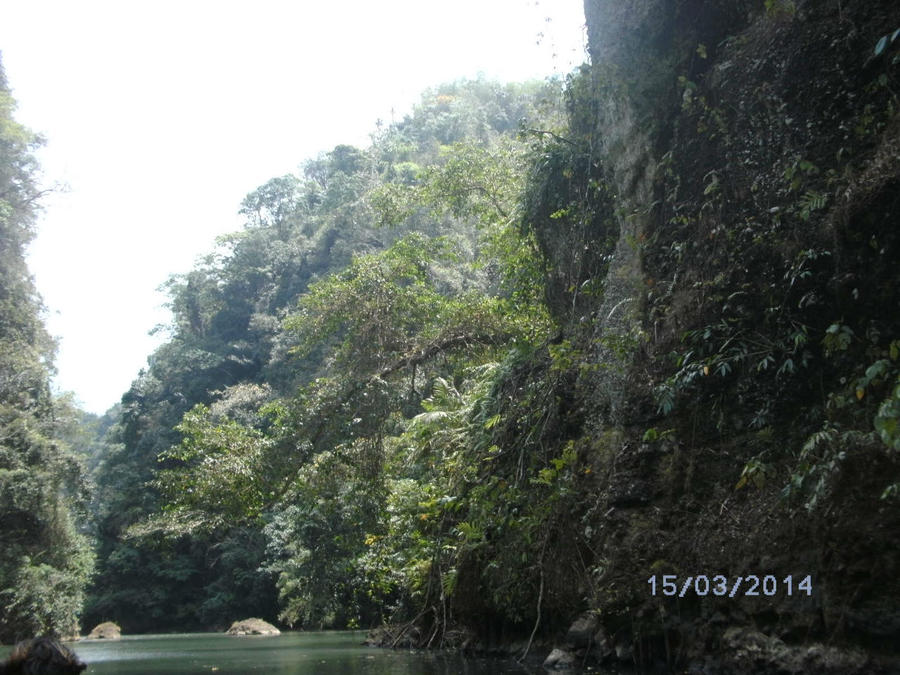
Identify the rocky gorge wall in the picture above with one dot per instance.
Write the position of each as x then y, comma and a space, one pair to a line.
739, 417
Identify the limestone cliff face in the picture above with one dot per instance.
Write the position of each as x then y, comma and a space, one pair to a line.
638, 50
748, 334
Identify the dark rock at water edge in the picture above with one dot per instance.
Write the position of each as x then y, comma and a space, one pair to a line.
39, 656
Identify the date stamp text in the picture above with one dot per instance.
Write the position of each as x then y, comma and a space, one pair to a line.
750, 585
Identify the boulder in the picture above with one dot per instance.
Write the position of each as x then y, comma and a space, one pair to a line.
252, 627
42, 655
746, 646
581, 632
105, 631
560, 659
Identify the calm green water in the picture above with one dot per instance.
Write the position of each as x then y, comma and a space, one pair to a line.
327, 653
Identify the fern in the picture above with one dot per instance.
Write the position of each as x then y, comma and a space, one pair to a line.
810, 202
823, 437
448, 582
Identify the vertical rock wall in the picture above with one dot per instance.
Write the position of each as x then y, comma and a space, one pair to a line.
638, 49
751, 152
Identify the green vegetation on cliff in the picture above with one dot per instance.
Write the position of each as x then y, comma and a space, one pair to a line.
44, 562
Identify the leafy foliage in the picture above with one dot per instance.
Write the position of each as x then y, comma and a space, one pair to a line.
45, 562
300, 349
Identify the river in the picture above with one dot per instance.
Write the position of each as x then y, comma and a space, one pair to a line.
325, 653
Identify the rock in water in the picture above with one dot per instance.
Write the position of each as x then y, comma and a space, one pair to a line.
560, 659
252, 627
42, 655
106, 631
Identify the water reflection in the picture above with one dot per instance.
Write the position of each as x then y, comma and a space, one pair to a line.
328, 653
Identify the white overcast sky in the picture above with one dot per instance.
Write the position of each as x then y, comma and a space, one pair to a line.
160, 116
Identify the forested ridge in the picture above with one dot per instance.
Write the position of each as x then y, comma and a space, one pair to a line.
535, 351
252, 466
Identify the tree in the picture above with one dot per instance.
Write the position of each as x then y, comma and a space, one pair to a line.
300, 349
45, 562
